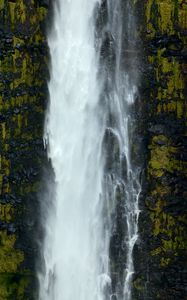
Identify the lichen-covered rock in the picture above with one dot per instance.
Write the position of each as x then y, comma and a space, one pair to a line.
23, 73
160, 257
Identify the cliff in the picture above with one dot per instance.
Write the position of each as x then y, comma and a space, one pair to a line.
160, 262
161, 254
23, 58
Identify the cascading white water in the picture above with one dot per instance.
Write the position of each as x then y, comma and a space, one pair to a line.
73, 245
80, 218
122, 178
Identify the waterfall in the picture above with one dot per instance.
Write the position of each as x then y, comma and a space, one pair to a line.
117, 36
91, 211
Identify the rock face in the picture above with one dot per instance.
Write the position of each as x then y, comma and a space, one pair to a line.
23, 72
161, 270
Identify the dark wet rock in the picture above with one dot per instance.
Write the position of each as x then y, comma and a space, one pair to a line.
168, 42
44, 3
160, 264
21, 156
111, 146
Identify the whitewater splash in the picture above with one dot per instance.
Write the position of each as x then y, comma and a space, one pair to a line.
87, 134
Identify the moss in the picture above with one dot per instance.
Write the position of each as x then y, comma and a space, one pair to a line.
12, 8
165, 228
169, 72
6, 64
169, 99
5, 165
1, 183
159, 161
10, 258
6, 212
159, 15
182, 16
11, 288
42, 13
166, 12
166, 17
175, 236
27, 188
139, 284
165, 261
164, 224
3, 128
162, 157
22, 65
156, 251
22, 286
7, 288
162, 17
2, 4
160, 190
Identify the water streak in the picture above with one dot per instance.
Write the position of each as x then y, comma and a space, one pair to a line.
117, 37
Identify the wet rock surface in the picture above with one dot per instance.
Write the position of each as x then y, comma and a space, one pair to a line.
23, 96
160, 255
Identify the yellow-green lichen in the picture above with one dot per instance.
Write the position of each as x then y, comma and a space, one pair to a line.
182, 15
166, 10
20, 93
162, 16
1, 182
10, 258
5, 165
2, 3
165, 261
6, 212
11, 288
162, 158
12, 8
160, 190
139, 284
173, 235
165, 24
